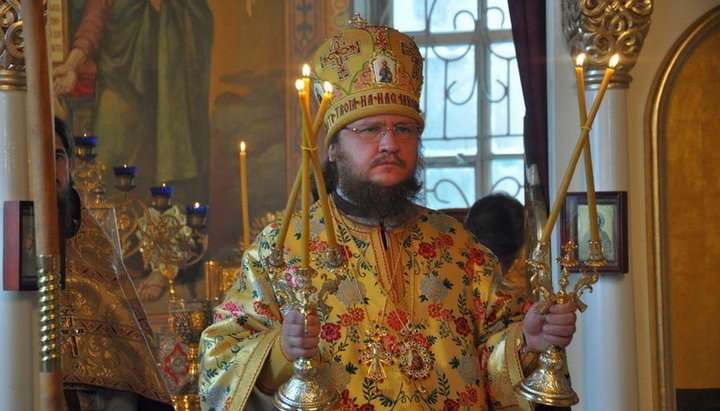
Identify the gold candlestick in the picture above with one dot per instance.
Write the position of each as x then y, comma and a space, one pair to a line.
550, 384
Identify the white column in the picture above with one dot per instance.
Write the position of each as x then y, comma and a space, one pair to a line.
19, 319
609, 364
602, 356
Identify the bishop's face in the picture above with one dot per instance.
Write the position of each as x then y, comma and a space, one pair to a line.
380, 149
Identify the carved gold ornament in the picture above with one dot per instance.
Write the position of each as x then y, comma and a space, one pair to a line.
601, 28
12, 55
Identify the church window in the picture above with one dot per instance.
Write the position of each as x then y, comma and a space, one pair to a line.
472, 99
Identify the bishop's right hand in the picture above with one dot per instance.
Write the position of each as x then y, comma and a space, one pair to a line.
297, 343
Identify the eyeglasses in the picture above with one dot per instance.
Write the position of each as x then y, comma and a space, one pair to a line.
402, 131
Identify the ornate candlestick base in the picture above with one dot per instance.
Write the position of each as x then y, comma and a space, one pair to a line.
306, 389
549, 384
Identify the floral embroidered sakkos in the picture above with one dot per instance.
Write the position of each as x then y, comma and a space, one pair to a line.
415, 320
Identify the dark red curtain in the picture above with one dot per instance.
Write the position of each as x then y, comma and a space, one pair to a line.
528, 28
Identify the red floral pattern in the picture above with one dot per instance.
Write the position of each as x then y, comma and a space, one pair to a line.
427, 250
397, 320
435, 310
451, 405
358, 314
330, 332
462, 326
444, 241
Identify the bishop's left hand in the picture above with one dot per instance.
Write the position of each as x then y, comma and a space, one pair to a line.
556, 326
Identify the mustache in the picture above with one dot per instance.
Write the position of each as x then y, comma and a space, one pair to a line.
388, 158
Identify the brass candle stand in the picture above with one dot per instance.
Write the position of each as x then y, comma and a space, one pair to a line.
168, 238
550, 384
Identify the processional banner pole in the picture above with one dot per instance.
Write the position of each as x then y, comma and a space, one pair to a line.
41, 146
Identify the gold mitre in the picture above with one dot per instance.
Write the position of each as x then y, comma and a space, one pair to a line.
373, 70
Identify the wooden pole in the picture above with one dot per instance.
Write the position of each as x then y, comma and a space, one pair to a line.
41, 146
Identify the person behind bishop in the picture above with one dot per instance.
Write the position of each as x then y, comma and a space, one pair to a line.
109, 355
416, 279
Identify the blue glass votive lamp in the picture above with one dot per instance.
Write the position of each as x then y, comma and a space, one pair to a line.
161, 197
197, 215
125, 176
85, 147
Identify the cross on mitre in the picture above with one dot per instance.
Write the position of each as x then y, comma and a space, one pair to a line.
338, 54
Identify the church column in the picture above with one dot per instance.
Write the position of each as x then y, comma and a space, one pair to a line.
19, 322
602, 357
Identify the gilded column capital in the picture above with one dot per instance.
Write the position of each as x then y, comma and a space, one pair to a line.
12, 55
602, 28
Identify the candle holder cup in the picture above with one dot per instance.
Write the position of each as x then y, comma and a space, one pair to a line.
85, 147
125, 178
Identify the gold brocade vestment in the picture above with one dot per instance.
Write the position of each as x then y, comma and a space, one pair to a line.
107, 341
428, 276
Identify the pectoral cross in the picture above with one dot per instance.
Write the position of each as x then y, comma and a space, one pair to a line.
375, 356
69, 329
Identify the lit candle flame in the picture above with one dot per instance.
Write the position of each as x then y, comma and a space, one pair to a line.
299, 85
163, 184
306, 70
242, 146
124, 165
580, 60
328, 87
197, 204
614, 60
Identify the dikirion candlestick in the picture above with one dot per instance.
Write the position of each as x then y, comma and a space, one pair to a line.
549, 383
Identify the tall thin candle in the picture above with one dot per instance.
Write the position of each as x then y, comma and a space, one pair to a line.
585, 132
319, 180
244, 197
589, 176
322, 109
306, 87
305, 205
